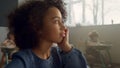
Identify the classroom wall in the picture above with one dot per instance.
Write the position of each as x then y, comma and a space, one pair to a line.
109, 33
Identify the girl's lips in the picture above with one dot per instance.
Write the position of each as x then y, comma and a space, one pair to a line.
63, 33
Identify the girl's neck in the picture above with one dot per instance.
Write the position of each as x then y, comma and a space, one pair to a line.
43, 50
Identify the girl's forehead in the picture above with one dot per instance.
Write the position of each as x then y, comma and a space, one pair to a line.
53, 12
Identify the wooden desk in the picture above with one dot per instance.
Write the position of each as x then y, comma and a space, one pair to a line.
100, 47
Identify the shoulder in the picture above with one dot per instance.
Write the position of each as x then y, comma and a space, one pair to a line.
22, 53
24, 57
20, 59
56, 49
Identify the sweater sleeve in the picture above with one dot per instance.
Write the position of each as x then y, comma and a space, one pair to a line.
15, 63
73, 59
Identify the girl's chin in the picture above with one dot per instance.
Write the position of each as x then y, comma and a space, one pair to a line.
58, 41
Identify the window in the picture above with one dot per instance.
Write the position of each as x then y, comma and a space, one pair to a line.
92, 12
74, 10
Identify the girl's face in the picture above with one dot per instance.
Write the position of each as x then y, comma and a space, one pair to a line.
53, 28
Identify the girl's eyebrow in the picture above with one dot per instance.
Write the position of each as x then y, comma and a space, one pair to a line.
56, 17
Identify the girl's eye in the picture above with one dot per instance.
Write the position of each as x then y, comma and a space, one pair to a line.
56, 21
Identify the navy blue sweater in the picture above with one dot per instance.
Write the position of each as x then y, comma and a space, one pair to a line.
58, 59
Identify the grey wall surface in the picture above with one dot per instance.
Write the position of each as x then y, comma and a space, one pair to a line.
3, 33
6, 6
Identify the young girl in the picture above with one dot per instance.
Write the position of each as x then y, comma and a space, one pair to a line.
36, 26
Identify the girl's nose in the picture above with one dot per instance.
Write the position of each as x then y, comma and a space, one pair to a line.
62, 26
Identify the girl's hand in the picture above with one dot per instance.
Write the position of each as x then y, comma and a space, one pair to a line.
64, 44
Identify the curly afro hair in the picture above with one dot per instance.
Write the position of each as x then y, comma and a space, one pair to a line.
27, 19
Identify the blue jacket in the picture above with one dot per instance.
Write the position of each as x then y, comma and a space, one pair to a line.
58, 59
